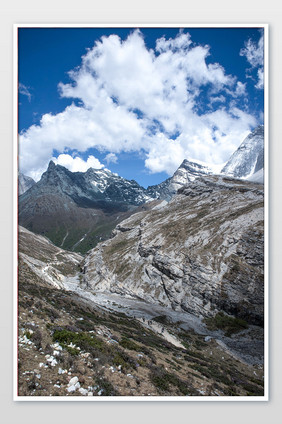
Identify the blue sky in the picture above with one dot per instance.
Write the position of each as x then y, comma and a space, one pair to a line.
136, 101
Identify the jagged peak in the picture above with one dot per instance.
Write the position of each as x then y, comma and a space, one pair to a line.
51, 165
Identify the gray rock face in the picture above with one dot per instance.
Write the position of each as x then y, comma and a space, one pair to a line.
249, 157
24, 183
201, 253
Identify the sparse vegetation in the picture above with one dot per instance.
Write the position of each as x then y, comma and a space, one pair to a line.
163, 381
129, 344
138, 349
229, 325
82, 340
107, 387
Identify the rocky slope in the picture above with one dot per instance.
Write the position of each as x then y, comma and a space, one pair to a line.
201, 253
249, 157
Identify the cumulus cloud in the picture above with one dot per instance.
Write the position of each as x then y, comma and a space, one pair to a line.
254, 53
134, 98
76, 164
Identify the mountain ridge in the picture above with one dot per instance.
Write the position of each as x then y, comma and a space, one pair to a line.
76, 210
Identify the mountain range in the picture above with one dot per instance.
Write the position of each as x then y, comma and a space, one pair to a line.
76, 210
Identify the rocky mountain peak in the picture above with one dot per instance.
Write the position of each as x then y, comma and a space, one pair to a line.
61, 195
187, 172
51, 166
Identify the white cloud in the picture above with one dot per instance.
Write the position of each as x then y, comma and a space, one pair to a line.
254, 53
219, 99
133, 98
111, 158
240, 89
181, 42
212, 138
76, 164
25, 91
260, 83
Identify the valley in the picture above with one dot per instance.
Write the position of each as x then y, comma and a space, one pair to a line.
159, 292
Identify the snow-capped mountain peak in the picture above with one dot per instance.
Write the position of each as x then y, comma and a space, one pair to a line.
187, 172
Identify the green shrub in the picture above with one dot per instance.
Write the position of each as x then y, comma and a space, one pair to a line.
212, 372
163, 379
121, 358
80, 339
226, 323
129, 344
72, 350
